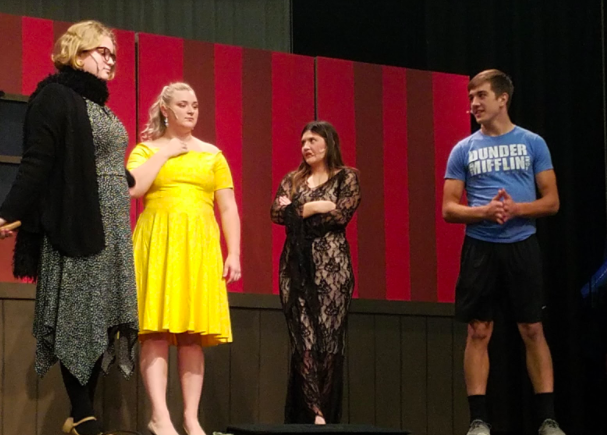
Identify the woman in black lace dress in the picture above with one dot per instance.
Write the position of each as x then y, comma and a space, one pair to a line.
315, 203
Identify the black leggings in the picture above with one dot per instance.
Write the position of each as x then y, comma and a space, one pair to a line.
81, 396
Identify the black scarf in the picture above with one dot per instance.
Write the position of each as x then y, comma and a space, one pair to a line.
81, 82
66, 210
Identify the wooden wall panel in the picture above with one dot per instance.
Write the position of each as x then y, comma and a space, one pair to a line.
388, 380
215, 405
20, 389
119, 400
361, 368
2, 317
414, 372
401, 371
244, 367
461, 415
345, 410
440, 375
144, 410
53, 404
273, 366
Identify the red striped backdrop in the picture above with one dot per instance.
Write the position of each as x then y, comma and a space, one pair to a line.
396, 125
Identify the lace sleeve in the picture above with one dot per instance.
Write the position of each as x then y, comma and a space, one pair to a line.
346, 205
277, 211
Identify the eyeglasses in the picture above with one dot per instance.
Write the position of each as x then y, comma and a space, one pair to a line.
106, 53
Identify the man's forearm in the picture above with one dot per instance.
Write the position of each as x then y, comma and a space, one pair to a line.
463, 214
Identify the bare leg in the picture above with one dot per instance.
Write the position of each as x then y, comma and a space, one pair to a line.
191, 376
154, 363
539, 360
476, 357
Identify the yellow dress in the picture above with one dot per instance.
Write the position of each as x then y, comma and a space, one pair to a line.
178, 260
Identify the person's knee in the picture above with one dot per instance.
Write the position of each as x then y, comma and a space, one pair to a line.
480, 332
154, 339
531, 332
187, 340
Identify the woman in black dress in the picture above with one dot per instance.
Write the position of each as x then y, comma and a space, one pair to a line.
315, 203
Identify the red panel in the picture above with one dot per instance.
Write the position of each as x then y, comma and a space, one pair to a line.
422, 204
37, 45
451, 123
59, 28
10, 52
257, 169
368, 98
292, 109
396, 184
6, 260
199, 72
335, 103
228, 121
123, 88
160, 63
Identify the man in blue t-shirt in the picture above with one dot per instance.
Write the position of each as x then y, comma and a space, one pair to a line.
499, 167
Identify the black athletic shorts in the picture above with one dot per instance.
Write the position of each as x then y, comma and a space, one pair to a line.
493, 274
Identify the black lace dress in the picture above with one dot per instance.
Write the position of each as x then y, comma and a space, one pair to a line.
316, 283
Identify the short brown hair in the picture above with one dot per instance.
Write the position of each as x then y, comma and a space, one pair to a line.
80, 37
499, 81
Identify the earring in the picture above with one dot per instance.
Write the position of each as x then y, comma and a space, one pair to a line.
166, 122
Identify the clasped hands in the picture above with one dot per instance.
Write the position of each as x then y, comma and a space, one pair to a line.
502, 208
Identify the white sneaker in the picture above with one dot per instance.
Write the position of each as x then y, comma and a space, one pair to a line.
550, 427
479, 427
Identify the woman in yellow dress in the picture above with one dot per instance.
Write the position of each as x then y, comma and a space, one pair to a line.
181, 275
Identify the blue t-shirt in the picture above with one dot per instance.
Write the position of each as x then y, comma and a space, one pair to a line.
489, 163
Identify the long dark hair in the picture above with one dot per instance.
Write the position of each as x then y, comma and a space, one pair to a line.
333, 159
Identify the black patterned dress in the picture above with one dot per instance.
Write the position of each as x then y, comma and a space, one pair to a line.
86, 307
316, 284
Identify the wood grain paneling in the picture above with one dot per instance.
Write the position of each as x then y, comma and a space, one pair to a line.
414, 373
20, 389
361, 368
387, 371
401, 371
244, 367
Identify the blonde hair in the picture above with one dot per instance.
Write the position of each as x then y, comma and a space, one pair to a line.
155, 126
80, 37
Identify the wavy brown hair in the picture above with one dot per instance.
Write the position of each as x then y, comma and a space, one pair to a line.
333, 159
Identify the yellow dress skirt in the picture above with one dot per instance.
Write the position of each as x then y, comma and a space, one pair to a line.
178, 259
